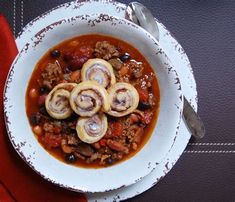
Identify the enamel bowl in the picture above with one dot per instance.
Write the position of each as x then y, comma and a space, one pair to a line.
83, 179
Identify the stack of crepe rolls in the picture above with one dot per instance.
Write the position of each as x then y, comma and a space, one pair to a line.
97, 94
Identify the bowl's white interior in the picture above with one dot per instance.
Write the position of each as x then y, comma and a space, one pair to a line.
93, 180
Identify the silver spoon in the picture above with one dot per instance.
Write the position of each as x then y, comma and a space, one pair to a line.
140, 15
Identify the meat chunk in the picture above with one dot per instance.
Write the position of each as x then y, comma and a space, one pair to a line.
117, 146
105, 50
103, 159
72, 140
145, 117
152, 100
116, 63
134, 118
130, 69
136, 68
65, 147
138, 135
94, 157
145, 82
132, 132
52, 74
48, 127
50, 140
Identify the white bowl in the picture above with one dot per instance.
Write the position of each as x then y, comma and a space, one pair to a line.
83, 179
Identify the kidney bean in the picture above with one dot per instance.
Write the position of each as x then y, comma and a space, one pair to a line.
144, 105
109, 161
70, 158
55, 53
43, 90
75, 59
125, 57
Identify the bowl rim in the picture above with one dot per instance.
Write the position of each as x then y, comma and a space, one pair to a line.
39, 37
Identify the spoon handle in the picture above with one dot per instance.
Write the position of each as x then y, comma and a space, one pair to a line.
193, 121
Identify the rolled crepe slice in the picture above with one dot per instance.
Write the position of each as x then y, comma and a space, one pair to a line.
98, 70
89, 97
92, 129
124, 99
57, 101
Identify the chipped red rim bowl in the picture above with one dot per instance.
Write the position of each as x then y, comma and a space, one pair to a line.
83, 179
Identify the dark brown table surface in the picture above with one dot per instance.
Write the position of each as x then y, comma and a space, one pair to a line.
206, 30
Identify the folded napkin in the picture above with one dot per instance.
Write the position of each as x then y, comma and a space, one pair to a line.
17, 181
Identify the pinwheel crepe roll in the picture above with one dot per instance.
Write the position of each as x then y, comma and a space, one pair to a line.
89, 97
92, 129
100, 71
57, 101
124, 99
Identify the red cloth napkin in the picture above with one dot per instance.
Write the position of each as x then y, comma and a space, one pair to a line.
17, 181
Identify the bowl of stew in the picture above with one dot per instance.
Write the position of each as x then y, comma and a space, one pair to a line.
92, 103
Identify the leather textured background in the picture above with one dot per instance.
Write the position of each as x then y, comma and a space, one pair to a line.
206, 30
